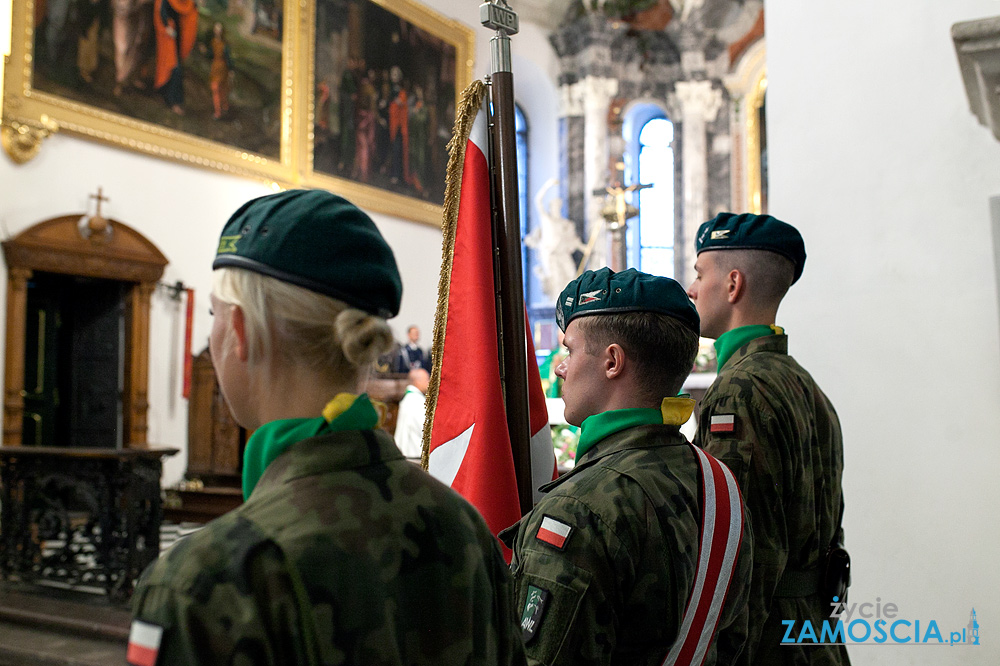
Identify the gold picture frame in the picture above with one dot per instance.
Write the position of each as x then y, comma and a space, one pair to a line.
46, 89
56, 82
380, 53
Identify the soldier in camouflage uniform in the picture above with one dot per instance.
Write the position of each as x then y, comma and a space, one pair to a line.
344, 552
766, 418
604, 565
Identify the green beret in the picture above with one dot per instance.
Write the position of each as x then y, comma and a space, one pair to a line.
607, 292
316, 240
728, 231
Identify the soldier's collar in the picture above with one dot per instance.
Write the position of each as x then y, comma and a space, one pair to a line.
730, 341
346, 411
672, 411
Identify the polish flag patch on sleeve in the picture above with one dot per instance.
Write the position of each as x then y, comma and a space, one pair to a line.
554, 532
143, 643
722, 423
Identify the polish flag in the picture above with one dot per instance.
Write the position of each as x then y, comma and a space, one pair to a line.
722, 423
143, 643
469, 443
553, 532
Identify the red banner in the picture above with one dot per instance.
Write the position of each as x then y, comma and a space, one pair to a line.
188, 325
469, 445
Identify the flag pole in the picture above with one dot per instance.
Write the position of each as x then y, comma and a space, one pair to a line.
497, 15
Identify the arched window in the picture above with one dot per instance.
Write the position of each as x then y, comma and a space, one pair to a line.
521, 136
529, 259
649, 160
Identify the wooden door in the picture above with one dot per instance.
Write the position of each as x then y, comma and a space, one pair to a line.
74, 361
41, 354
96, 362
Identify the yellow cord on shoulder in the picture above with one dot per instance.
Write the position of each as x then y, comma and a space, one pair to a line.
343, 401
676, 411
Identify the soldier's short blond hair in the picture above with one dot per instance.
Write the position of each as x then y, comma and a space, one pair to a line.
768, 274
288, 323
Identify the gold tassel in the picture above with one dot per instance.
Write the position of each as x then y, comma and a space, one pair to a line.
469, 105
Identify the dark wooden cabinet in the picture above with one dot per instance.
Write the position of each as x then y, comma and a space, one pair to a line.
215, 452
215, 440
216, 443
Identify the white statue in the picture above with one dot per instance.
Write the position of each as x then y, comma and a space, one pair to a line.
555, 240
683, 8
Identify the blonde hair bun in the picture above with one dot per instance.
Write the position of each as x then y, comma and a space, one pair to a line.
364, 337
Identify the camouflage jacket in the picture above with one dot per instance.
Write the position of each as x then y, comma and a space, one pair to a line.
345, 553
616, 590
786, 451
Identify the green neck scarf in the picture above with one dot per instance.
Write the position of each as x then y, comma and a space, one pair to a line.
345, 412
672, 411
730, 341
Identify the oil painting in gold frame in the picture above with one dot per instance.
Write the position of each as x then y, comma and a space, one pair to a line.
204, 82
384, 82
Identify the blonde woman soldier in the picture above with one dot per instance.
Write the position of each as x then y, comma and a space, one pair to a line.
343, 553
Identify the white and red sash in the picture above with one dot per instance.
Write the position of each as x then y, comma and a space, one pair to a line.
721, 536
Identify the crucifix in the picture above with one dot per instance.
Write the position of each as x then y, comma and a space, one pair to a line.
95, 227
616, 213
100, 197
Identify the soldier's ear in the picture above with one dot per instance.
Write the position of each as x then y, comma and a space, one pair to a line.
614, 361
736, 285
237, 322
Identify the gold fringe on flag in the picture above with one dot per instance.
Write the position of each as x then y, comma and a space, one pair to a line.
465, 115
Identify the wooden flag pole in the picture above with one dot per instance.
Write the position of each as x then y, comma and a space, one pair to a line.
498, 16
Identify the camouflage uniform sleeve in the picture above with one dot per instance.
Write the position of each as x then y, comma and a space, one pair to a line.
756, 452
253, 613
569, 598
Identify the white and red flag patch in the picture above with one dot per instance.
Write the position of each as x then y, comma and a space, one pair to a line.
722, 423
554, 532
143, 643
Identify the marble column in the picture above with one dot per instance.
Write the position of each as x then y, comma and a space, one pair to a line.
978, 46
696, 103
571, 183
597, 95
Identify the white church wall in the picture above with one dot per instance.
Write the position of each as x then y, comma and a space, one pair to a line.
536, 68
182, 209
876, 157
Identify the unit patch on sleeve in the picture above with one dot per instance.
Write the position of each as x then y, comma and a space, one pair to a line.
143, 643
554, 532
531, 616
723, 423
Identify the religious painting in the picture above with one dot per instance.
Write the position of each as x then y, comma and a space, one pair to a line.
201, 81
386, 79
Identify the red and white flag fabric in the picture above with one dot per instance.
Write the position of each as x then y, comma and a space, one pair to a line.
467, 443
543, 455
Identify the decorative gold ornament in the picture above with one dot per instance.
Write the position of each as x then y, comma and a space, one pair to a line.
22, 141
